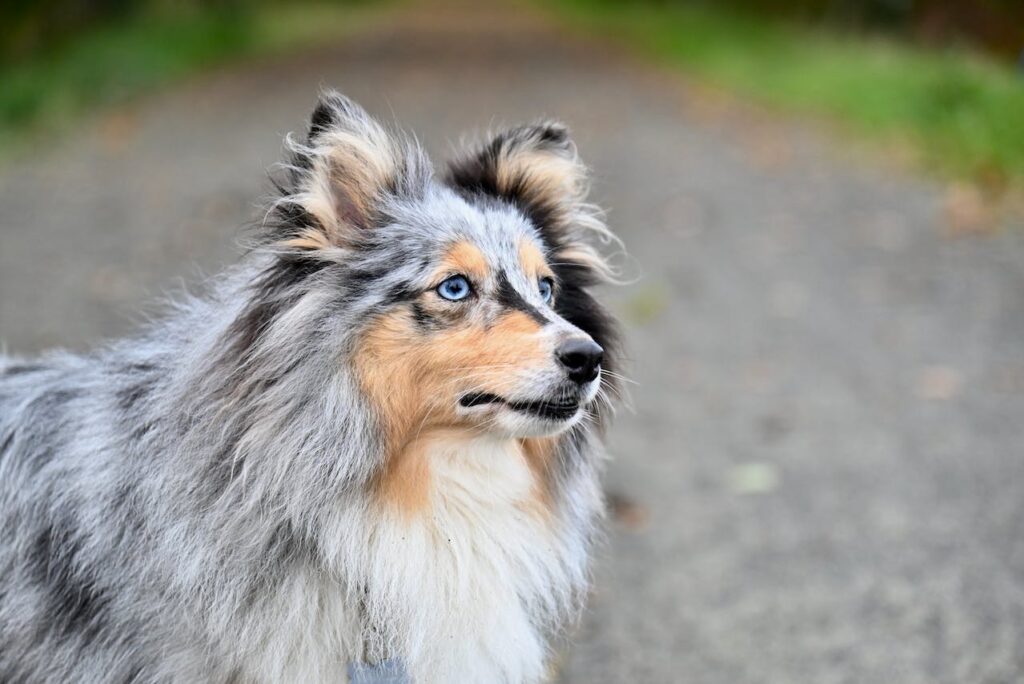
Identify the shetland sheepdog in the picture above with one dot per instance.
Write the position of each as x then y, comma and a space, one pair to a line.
375, 440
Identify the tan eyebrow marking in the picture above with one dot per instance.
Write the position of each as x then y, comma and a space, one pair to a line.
532, 259
466, 258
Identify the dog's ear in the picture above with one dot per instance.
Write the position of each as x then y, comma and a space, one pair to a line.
339, 177
536, 169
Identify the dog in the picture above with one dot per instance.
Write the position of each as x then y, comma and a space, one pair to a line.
376, 439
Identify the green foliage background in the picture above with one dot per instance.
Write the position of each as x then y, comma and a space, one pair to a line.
940, 77
961, 112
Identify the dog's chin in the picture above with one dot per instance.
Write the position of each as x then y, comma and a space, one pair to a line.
512, 423
517, 418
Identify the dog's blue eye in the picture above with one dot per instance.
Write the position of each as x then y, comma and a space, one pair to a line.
546, 289
454, 288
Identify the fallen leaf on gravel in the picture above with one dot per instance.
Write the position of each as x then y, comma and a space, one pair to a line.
768, 150
627, 511
967, 211
119, 129
647, 305
774, 427
938, 383
753, 478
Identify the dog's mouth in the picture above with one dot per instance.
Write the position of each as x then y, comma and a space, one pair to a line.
551, 409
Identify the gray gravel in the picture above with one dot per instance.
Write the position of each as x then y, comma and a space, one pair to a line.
822, 478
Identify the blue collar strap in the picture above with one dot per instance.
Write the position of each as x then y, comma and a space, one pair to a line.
386, 672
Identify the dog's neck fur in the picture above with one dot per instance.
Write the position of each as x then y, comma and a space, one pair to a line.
482, 570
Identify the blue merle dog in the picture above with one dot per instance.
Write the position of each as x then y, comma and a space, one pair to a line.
376, 439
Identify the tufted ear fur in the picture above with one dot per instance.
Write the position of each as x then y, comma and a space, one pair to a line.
339, 177
536, 168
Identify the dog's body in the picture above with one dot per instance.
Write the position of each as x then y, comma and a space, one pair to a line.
375, 438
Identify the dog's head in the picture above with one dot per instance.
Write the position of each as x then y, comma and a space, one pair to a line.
461, 299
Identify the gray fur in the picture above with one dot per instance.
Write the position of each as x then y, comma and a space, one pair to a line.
164, 498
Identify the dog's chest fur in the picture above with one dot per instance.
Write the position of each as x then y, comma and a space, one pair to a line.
462, 590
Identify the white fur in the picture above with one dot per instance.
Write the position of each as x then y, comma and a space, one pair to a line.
455, 590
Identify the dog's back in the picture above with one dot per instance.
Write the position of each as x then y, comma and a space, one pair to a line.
98, 527
51, 604
66, 610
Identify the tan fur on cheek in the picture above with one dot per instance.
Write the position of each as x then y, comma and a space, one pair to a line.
495, 354
396, 384
414, 383
511, 328
539, 452
405, 482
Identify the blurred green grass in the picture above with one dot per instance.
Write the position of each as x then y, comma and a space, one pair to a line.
115, 61
960, 114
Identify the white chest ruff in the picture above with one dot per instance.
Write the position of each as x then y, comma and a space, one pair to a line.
467, 591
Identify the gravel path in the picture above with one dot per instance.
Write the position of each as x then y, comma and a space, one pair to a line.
823, 476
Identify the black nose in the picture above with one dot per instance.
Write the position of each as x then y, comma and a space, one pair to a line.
581, 358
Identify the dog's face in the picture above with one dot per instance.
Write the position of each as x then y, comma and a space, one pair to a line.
478, 340
472, 284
